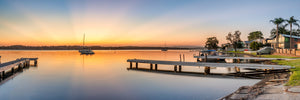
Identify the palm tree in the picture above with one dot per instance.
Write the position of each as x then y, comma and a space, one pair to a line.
292, 22
277, 22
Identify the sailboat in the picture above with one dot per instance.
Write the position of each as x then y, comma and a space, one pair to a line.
165, 48
85, 50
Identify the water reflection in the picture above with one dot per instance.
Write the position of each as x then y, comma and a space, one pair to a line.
104, 75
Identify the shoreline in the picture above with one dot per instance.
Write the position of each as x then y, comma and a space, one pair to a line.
258, 89
274, 86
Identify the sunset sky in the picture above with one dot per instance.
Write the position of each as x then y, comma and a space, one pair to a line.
136, 22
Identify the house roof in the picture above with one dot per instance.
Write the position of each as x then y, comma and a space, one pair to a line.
271, 38
293, 36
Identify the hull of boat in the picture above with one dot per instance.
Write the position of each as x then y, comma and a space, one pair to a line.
86, 52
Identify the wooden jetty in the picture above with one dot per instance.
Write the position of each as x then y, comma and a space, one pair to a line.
247, 58
9, 67
207, 65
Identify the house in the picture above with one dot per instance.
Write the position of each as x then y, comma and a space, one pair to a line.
284, 41
247, 43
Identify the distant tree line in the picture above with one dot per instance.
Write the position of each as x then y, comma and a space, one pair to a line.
21, 47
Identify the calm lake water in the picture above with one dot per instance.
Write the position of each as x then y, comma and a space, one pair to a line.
67, 75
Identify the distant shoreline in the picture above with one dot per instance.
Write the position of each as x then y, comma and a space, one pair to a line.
20, 47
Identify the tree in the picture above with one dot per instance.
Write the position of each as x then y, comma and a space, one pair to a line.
255, 35
234, 39
281, 29
212, 43
292, 22
277, 22
255, 45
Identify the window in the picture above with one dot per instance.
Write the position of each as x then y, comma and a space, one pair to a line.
286, 39
295, 39
295, 46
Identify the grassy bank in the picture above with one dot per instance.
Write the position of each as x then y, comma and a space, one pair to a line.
294, 79
234, 51
276, 56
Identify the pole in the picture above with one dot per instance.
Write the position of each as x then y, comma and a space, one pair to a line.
183, 58
180, 57
83, 40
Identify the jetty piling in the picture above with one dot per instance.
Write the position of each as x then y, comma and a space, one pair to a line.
151, 66
175, 68
130, 65
180, 68
206, 70
237, 69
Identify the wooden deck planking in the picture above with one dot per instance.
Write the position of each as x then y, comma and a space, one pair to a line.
229, 65
249, 58
11, 64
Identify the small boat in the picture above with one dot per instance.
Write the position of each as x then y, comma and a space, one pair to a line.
85, 50
209, 53
165, 48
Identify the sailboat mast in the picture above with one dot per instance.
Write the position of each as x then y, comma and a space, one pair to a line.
83, 39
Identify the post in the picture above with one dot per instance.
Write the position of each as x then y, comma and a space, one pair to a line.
151, 66
12, 70
136, 65
180, 57
183, 57
155, 66
24, 64
130, 65
237, 69
238, 60
20, 67
28, 62
175, 68
205, 58
179, 68
3, 74
206, 70
0, 77
35, 62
